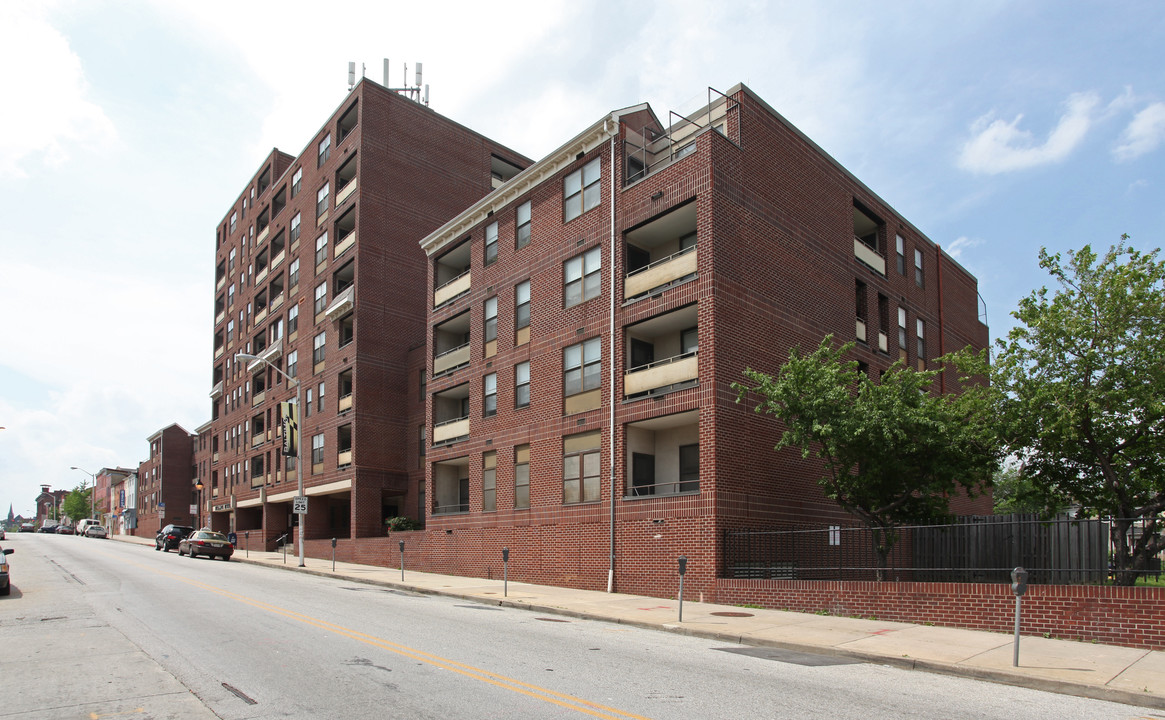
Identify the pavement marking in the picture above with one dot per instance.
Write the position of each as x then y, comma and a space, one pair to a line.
506, 683
135, 711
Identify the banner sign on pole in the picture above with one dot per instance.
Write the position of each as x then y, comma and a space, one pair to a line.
289, 422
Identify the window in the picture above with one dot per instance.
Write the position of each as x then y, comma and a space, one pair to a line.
320, 399
231, 295
489, 479
276, 330
490, 394
422, 436
231, 260
317, 449
521, 477
308, 405
580, 468
325, 149
491, 319
689, 468
293, 319
582, 367
321, 249
294, 232
522, 305
491, 243
581, 276
920, 327
296, 182
423, 385
523, 225
689, 340
900, 247
322, 201
317, 353
292, 363
581, 190
293, 273
234, 220
522, 384
230, 331
918, 267
321, 301
902, 333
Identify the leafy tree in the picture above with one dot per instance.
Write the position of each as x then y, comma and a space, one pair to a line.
1014, 492
76, 503
1082, 393
892, 452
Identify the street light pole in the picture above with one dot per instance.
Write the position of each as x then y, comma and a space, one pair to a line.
92, 493
246, 357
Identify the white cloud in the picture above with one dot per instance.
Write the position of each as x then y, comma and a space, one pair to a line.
44, 87
998, 146
956, 248
1144, 134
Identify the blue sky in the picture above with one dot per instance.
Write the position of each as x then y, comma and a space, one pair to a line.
129, 128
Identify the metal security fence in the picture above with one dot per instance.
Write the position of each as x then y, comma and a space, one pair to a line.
1061, 551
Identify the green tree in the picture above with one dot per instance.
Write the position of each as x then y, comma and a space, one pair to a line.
892, 452
1014, 492
76, 503
1082, 393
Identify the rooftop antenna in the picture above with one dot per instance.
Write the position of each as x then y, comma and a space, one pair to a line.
351, 75
418, 93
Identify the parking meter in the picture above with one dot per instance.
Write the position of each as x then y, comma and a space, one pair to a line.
1019, 581
505, 572
505, 554
333, 543
683, 565
683, 569
333, 554
402, 560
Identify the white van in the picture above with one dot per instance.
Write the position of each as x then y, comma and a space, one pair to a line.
80, 527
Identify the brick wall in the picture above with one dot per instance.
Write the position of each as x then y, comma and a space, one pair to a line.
1134, 617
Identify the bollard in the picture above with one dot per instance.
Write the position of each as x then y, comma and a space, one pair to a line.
505, 572
247, 537
402, 560
333, 554
683, 569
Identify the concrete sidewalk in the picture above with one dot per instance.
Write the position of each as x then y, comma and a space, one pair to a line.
1105, 672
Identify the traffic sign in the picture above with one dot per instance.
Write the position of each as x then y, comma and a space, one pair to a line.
299, 505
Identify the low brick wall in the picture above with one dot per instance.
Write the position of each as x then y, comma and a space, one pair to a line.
1133, 617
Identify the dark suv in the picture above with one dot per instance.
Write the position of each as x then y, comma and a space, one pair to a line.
169, 537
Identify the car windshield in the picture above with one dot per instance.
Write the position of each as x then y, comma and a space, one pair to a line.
203, 535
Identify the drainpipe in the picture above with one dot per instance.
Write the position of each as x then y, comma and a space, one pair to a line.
614, 344
938, 265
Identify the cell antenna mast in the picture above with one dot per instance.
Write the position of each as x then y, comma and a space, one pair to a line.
418, 93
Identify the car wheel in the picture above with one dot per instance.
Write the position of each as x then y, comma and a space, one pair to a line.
192, 555
7, 589
157, 545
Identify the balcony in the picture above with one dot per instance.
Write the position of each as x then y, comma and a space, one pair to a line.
652, 148
345, 403
661, 253
262, 235
869, 232
346, 180
344, 244
883, 343
346, 192
451, 360
451, 344
342, 304
451, 414
450, 430
216, 391
451, 274
662, 353
452, 289
451, 486
860, 331
868, 256
663, 456
662, 374
344, 458
345, 380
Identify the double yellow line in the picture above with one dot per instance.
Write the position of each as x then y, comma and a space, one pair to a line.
507, 683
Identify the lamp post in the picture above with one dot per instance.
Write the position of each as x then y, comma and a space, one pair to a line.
198, 487
92, 493
246, 357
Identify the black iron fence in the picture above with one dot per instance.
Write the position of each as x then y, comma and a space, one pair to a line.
1062, 551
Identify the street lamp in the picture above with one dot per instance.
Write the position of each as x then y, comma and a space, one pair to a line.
92, 493
246, 357
198, 487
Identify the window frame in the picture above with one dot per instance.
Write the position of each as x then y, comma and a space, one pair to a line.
324, 150
296, 181
588, 180
522, 384
491, 244
523, 225
489, 395
585, 274
570, 367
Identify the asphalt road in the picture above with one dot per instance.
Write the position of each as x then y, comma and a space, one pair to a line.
98, 629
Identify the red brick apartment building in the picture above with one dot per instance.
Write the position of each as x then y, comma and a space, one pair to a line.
586, 321
319, 272
164, 482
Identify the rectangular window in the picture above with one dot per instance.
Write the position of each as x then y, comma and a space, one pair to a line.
580, 467
320, 398
293, 319
423, 384
491, 319
307, 406
317, 352
902, 333
490, 394
293, 273
325, 148
296, 182
322, 200
582, 367
521, 477
920, 328
293, 234
582, 190
522, 312
491, 243
581, 276
317, 449
523, 225
230, 331
234, 220
292, 363
321, 249
489, 479
900, 247
918, 267
321, 300
522, 384
689, 468
860, 307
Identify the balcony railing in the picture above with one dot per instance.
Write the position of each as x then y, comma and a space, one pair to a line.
450, 509
451, 289
257, 398
883, 344
451, 429
345, 192
860, 331
869, 256
451, 359
344, 458
672, 371
660, 273
263, 235
345, 402
344, 244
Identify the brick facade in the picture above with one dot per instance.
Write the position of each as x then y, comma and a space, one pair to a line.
165, 483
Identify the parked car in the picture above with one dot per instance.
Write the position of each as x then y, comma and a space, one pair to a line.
27, 527
83, 524
96, 531
48, 527
64, 529
5, 583
169, 536
206, 542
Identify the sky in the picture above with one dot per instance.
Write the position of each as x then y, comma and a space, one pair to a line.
130, 127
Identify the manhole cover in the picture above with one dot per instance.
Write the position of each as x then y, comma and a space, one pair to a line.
551, 620
732, 614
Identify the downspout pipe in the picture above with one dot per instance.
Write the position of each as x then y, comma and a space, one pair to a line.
938, 265
611, 402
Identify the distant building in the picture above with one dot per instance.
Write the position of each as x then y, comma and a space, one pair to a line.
164, 482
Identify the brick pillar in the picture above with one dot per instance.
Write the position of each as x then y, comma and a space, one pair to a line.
366, 500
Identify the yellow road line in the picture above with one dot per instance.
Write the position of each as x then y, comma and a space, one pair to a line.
535, 691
